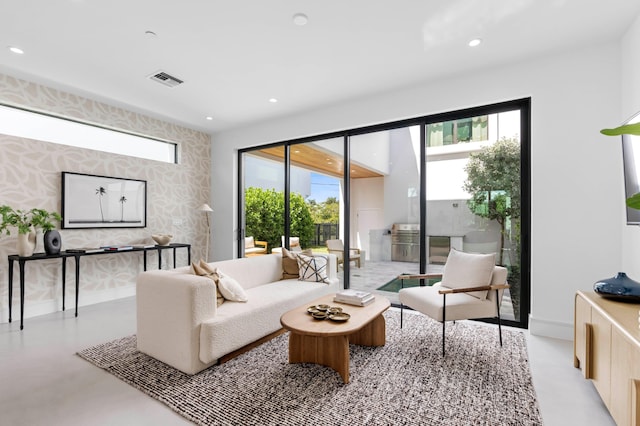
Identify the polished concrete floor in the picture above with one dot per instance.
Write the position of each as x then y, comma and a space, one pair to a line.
43, 382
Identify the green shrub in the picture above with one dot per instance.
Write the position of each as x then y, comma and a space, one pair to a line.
264, 216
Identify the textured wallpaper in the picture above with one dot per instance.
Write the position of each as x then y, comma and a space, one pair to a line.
30, 176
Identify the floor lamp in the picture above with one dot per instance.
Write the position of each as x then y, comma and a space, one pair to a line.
206, 209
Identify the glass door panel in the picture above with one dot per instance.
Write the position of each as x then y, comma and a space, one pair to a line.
384, 209
263, 207
317, 170
473, 193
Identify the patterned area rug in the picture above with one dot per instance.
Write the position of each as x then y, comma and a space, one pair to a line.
405, 382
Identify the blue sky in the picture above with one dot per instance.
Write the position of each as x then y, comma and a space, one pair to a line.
323, 187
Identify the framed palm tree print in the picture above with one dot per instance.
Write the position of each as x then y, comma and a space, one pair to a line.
91, 201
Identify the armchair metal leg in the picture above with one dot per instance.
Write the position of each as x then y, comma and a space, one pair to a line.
401, 312
499, 321
444, 319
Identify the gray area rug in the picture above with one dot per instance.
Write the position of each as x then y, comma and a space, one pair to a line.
405, 382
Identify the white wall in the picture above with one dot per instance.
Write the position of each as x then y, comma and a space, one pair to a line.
630, 85
576, 172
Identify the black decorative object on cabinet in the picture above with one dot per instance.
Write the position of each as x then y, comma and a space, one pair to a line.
52, 242
620, 287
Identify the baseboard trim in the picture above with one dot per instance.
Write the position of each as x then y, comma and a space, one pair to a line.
42, 307
553, 329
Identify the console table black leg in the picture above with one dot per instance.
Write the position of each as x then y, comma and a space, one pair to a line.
145, 259
159, 258
77, 281
64, 279
174, 258
189, 255
21, 265
10, 286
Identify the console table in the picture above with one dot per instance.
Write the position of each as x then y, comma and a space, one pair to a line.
607, 349
63, 255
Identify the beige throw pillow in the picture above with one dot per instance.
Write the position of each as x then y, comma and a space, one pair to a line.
290, 268
468, 270
228, 287
213, 276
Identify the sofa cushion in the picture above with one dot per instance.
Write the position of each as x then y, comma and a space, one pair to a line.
237, 324
213, 276
468, 270
290, 268
313, 268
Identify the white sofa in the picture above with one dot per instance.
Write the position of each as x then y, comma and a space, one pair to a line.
180, 324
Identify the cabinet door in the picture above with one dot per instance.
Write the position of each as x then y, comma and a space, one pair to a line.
580, 329
601, 355
625, 380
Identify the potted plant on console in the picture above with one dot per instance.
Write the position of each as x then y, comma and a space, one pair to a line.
27, 221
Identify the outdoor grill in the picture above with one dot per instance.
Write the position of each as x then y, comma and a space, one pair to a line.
405, 242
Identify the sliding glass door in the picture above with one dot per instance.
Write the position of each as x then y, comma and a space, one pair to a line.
397, 198
262, 201
384, 209
314, 183
473, 193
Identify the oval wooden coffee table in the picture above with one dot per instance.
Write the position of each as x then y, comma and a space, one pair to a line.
326, 342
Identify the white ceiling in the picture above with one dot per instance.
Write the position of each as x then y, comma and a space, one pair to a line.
236, 55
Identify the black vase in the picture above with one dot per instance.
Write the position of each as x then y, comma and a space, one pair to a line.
52, 242
620, 287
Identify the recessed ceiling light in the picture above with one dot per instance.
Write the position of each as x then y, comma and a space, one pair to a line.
300, 19
209, 118
475, 42
273, 100
16, 50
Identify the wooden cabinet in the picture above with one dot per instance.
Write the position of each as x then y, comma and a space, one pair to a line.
607, 349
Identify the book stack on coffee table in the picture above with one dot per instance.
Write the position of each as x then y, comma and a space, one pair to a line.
354, 297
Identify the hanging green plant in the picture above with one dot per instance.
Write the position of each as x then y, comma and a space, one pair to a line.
627, 129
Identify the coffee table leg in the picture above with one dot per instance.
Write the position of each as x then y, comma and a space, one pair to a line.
331, 351
372, 334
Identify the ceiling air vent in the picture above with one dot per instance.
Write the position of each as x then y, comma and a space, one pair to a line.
166, 79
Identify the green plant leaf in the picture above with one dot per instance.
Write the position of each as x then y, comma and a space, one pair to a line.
634, 201
25, 220
627, 129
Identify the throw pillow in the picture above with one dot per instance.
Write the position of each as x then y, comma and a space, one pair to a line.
229, 288
212, 275
468, 270
313, 268
290, 268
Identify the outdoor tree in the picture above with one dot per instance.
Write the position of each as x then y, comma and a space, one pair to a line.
264, 216
327, 211
493, 180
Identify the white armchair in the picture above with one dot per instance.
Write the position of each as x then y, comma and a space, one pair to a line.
474, 286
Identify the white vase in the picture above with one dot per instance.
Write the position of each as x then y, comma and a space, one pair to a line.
26, 244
